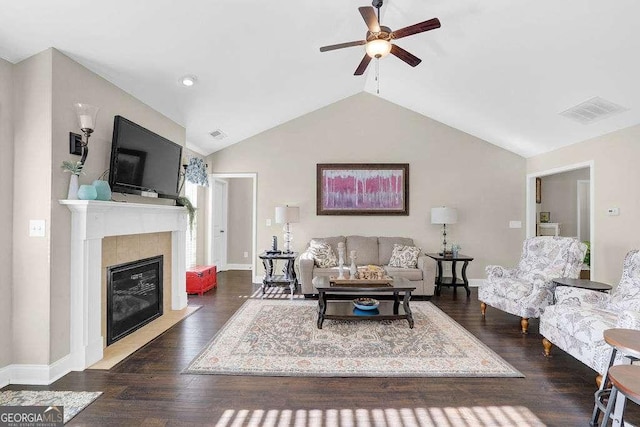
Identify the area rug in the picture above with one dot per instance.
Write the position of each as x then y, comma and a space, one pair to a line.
72, 401
280, 338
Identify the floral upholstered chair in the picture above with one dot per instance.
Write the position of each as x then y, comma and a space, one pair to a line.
525, 290
580, 316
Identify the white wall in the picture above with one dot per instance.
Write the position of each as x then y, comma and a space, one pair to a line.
6, 210
447, 167
560, 199
615, 177
239, 224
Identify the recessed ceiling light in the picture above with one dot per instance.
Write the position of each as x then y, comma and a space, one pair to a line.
188, 81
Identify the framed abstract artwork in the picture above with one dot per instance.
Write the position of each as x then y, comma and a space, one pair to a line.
362, 189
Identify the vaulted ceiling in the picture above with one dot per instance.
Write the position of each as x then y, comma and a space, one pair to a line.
501, 70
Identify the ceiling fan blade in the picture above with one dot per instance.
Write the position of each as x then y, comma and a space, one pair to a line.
363, 65
369, 16
405, 56
342, 45
420, 27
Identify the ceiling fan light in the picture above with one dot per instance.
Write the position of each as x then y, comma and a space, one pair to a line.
378, 48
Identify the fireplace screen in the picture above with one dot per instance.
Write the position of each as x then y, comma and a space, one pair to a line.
134, 296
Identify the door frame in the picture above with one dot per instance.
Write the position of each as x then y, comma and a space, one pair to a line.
578, 205
254, 216
531, 201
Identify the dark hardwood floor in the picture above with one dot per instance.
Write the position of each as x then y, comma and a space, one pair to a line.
148, 388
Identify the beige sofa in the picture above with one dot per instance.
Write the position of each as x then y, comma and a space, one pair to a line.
370, 251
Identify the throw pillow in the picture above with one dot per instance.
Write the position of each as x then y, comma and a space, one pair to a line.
323, 255
404, 256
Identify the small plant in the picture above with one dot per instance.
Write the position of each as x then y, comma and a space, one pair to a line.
587, 255
191, 210
71, 167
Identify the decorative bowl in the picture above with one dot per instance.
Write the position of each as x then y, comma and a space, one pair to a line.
366, 303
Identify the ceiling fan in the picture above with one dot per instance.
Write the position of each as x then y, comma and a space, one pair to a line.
378, 38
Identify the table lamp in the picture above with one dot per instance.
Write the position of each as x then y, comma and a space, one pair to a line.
287, 215
444, 215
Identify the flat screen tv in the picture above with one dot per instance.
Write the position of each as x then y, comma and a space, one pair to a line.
143, 162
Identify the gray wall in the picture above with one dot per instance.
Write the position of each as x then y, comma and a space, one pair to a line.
45, 88
447, 167
239, 222
560, 198
6, 210
615, 174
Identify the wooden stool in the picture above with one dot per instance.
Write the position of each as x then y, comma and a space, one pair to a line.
625, 381
626, 341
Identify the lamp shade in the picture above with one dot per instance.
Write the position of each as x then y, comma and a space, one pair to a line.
86, 115
444, 215
378, 48
287, 214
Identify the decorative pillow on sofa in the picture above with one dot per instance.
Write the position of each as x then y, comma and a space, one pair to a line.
404, 256
323, 255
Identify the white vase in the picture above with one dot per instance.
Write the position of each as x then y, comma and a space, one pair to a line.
73, 188
353, 270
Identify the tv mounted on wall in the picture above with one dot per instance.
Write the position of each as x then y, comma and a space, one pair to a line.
143, 162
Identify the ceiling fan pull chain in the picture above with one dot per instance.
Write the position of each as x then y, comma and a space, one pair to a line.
378, 76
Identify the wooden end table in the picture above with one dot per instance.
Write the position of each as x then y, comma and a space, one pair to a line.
332, 306
289, 272
454, 280
583, 283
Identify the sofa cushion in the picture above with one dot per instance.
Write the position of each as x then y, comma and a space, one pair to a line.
582, 324
333, 242
407, 273
404, 256
322, 254
385, 247
366, 250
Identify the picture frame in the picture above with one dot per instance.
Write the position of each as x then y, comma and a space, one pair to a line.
545, 217
538, 190
362, 189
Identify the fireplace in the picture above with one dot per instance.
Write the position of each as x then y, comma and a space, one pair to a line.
134, 296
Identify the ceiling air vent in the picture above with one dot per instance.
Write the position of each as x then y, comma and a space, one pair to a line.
593, 110
218, 134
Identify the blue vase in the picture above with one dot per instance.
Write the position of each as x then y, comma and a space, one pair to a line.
102, 189
87, 192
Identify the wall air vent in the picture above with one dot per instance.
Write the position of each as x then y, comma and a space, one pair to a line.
593, 110
218, 134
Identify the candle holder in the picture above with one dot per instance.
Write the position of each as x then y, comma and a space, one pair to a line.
341, 260
87, 115
353, 270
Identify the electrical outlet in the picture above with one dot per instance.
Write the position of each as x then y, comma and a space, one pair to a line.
36, 228
515, 224
246, 254
268, 222
613, 211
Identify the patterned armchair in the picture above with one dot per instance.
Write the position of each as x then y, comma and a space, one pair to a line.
525, 290
580, 316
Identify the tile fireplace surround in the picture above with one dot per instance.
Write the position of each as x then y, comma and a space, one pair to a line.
91, 221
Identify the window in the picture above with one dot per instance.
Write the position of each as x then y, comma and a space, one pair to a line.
191, 192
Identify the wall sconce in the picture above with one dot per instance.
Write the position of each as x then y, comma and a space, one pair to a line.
87, 121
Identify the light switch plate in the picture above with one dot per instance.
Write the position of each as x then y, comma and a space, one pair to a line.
515, 224
268, 222
613, 211
36, 228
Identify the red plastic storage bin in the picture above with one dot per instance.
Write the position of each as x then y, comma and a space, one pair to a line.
201, 278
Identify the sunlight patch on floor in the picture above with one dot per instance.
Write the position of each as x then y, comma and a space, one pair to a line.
481, 416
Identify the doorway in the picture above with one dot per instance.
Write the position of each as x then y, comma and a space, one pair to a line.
235, 214
532, 208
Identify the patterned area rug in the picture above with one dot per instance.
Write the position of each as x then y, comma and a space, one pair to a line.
72, 401
280, 338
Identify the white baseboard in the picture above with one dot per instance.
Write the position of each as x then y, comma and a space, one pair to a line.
4, 376
36, 374
258, 280
238, 267
474, 283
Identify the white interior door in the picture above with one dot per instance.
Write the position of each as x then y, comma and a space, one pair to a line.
219, 224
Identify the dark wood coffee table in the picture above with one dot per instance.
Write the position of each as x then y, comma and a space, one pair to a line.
583, 283
332, 303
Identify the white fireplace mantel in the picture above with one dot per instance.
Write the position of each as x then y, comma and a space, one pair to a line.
91, 221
